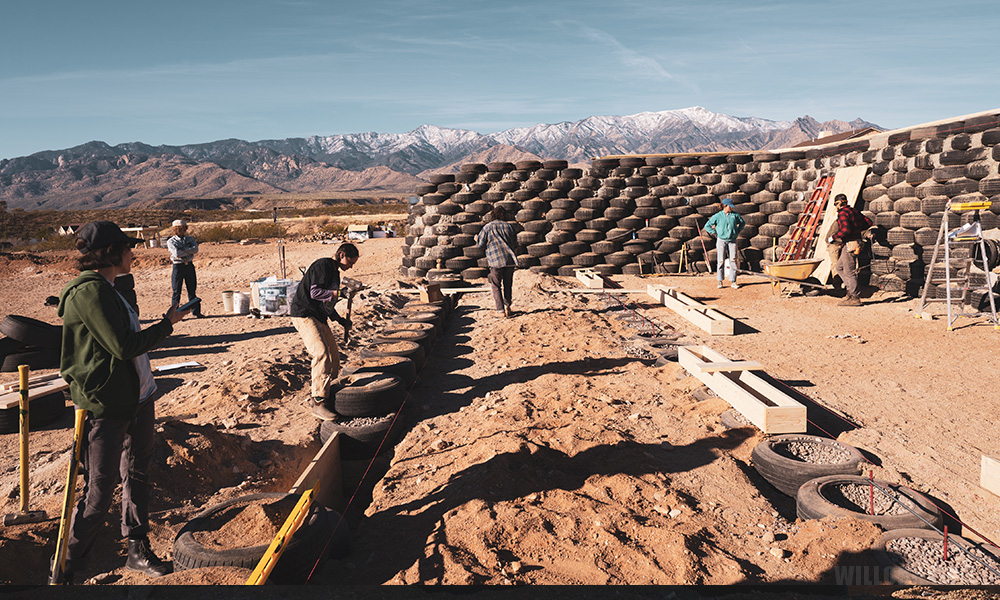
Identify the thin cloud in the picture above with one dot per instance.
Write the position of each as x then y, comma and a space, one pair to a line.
641, 64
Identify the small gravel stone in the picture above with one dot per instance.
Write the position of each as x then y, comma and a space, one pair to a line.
812, 452
924, 558
779, 553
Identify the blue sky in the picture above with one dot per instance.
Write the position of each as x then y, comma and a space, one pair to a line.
185, 71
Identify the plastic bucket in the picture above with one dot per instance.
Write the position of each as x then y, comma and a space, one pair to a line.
241, 303
227, 301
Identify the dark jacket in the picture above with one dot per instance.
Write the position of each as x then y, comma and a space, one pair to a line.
318, 289
98, 346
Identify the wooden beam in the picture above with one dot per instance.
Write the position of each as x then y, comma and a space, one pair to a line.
12, 399
704, 316
847, 181
989, 477
325, 467
32, 381
770, 409
468, 290
606, 291
589, 278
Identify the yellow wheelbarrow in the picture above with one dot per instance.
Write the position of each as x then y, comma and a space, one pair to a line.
790, 272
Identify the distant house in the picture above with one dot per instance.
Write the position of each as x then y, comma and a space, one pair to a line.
70, 229
360, 232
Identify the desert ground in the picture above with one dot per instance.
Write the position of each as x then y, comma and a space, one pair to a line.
541, 449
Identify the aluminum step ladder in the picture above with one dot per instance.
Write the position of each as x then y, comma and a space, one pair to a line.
958, 274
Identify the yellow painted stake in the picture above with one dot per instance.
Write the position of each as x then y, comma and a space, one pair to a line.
291, 525
59, 560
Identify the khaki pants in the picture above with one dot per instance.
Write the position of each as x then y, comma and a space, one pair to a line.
322, 347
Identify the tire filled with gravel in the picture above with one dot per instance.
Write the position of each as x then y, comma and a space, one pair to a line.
788, 461
916, 557
887, 505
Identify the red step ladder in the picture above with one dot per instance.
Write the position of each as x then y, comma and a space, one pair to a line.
804, 231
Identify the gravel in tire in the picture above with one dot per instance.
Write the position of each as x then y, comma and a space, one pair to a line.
916, 557
896, 507
788, 461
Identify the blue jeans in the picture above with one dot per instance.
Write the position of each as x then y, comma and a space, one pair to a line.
721, 249
182, 274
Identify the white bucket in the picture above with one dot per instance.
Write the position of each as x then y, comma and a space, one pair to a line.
241, 303
227, 301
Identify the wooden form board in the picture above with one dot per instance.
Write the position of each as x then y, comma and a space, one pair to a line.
49, 386
467, 290
590, 279
767, 407
325, 468
705, 317
989, 477
847, 181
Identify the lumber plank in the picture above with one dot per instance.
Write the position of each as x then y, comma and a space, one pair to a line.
733, 365
466, 290
847, 181
589, 278
32, 381
325, 468
12, 399
701, 315
770, 409
989, 477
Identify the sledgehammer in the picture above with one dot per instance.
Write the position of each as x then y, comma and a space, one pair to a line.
25, 515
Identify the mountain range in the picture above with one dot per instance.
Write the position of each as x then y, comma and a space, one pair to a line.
232, 171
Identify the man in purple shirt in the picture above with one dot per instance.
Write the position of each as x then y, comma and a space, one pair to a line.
311, 306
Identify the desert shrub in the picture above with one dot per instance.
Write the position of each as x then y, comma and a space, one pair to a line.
225, 233
334, 228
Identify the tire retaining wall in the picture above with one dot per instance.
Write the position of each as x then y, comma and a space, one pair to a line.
626, 213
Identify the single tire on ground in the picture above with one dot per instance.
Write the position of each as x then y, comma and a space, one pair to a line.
776, 464
32, 331
301, 552
820, 497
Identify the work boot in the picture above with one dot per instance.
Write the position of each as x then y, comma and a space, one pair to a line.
850, 301
320, 410
142, 559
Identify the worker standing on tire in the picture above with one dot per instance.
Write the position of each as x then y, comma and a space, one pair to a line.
311, 306
182, 248
846, 241
104, 361
726, 226
500, 239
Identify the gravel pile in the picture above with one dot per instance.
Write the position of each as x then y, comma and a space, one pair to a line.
366, 421
923, 557
858, 497
817, 454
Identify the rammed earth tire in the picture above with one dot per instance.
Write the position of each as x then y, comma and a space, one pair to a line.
818, 498
32, 331
400, 366
301, 552
731, 419
788, 474
41, 410
411, 350
35, 358
370, 395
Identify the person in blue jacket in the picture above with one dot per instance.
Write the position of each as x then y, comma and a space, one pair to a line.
726, 225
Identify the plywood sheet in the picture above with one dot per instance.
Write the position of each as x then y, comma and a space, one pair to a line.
989, 477
847, 181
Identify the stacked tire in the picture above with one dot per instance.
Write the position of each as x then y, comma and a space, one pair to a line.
36, 344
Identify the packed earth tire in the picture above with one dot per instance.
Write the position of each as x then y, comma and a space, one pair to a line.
813, 502
788, 474
35, 358
370, 395
400, 366
411, 350
32, 331
41, 410
414, 335
896, 574
301, 552
360, 442
732, 419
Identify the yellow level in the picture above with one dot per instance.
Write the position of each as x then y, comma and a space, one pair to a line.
278, 544
971, 206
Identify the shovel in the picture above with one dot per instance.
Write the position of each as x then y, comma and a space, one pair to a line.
24, 515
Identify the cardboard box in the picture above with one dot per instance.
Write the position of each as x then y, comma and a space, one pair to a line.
431, 293
273, 296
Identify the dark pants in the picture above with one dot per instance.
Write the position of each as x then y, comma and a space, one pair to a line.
113, 449
501, 281
183, 274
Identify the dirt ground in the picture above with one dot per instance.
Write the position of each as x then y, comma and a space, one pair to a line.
542, 449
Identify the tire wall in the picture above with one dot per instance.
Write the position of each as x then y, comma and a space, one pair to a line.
627, 210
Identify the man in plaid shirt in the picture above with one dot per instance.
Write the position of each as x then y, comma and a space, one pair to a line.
499, 238
846, 240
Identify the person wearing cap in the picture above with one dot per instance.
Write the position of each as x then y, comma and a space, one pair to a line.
182, 248
725, 225
310, 308
499, 239
104, 360
845, 245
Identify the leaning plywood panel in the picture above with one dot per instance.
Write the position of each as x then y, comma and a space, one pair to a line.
325, 468
989, 478
705, 317
767, 407
847, 181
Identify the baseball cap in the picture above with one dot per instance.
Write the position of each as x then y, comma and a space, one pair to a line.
101, 234
728, 202
179, 223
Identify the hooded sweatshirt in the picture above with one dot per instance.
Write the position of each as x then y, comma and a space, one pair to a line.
98, 345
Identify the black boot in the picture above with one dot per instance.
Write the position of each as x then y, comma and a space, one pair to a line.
142, 559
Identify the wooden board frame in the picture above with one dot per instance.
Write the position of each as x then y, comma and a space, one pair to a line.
325, 468
589, 278
49, 386
705, 317
989, 477
770, 409
847, 181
